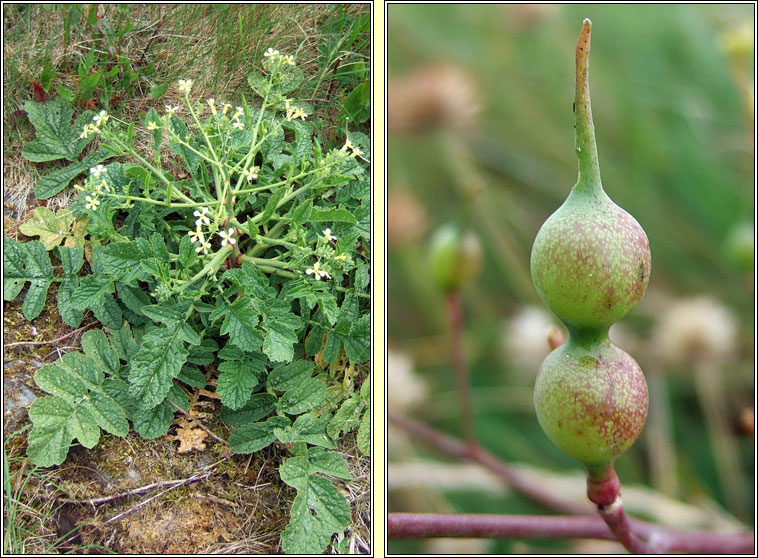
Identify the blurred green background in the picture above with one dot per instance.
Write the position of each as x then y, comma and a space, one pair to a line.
480, 121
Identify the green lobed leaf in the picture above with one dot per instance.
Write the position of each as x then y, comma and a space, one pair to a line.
280, 326
302, 213
288, 376
91, 292
51, 228
96, 346
306, 396
80, 402
58, 180
121, 260
271, 204
257, 407
347, 417
72, 259
240, 321
332, 215
157, 361
56, 137
56, 424
192, 377
311, 429
319, 510
254, 437
154, 423
109, 312
27, 262
235, 383
69, 314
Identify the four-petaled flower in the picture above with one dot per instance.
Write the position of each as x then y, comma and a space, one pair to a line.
101, 118
171, 110
225, 108
98, 170
316, 272
89, 129
196, 236
251, 173
227, 237
239, 125
185, 85
204, 246
270, 52
328, 234
152, 125
92, 202
237, 113
289, 59
201, 217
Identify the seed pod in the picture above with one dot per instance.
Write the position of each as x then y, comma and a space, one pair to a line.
591, 400
455, 257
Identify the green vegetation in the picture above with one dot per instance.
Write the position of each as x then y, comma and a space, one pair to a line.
219, 235
481, 118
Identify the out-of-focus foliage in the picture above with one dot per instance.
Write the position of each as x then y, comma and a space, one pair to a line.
481, 126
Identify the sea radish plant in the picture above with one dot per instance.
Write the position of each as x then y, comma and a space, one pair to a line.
234, 252
591, 264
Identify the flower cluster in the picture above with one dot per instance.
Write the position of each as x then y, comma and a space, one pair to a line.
274, 55
90, 129
328, 253
185, 85
317, 273
198, 236
354, 151
98, 185
293, 113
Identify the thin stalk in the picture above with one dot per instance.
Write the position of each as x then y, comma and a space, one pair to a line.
604, 490
415, 526
428, 525
455, 318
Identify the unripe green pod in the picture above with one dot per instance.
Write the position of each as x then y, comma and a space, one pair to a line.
590, 261
590, 264
455, 257
591, 400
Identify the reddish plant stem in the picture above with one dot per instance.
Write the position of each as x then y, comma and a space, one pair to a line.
604, 490
455, 317
416, 526
429, 525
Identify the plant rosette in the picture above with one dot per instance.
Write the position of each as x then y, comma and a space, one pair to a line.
238, 244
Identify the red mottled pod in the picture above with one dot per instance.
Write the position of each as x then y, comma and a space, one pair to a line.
591, 400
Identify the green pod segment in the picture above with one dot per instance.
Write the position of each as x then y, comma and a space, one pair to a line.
591, 400
590, 261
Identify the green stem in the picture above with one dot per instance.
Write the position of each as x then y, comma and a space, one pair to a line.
265, 262
212, 265
586, 148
